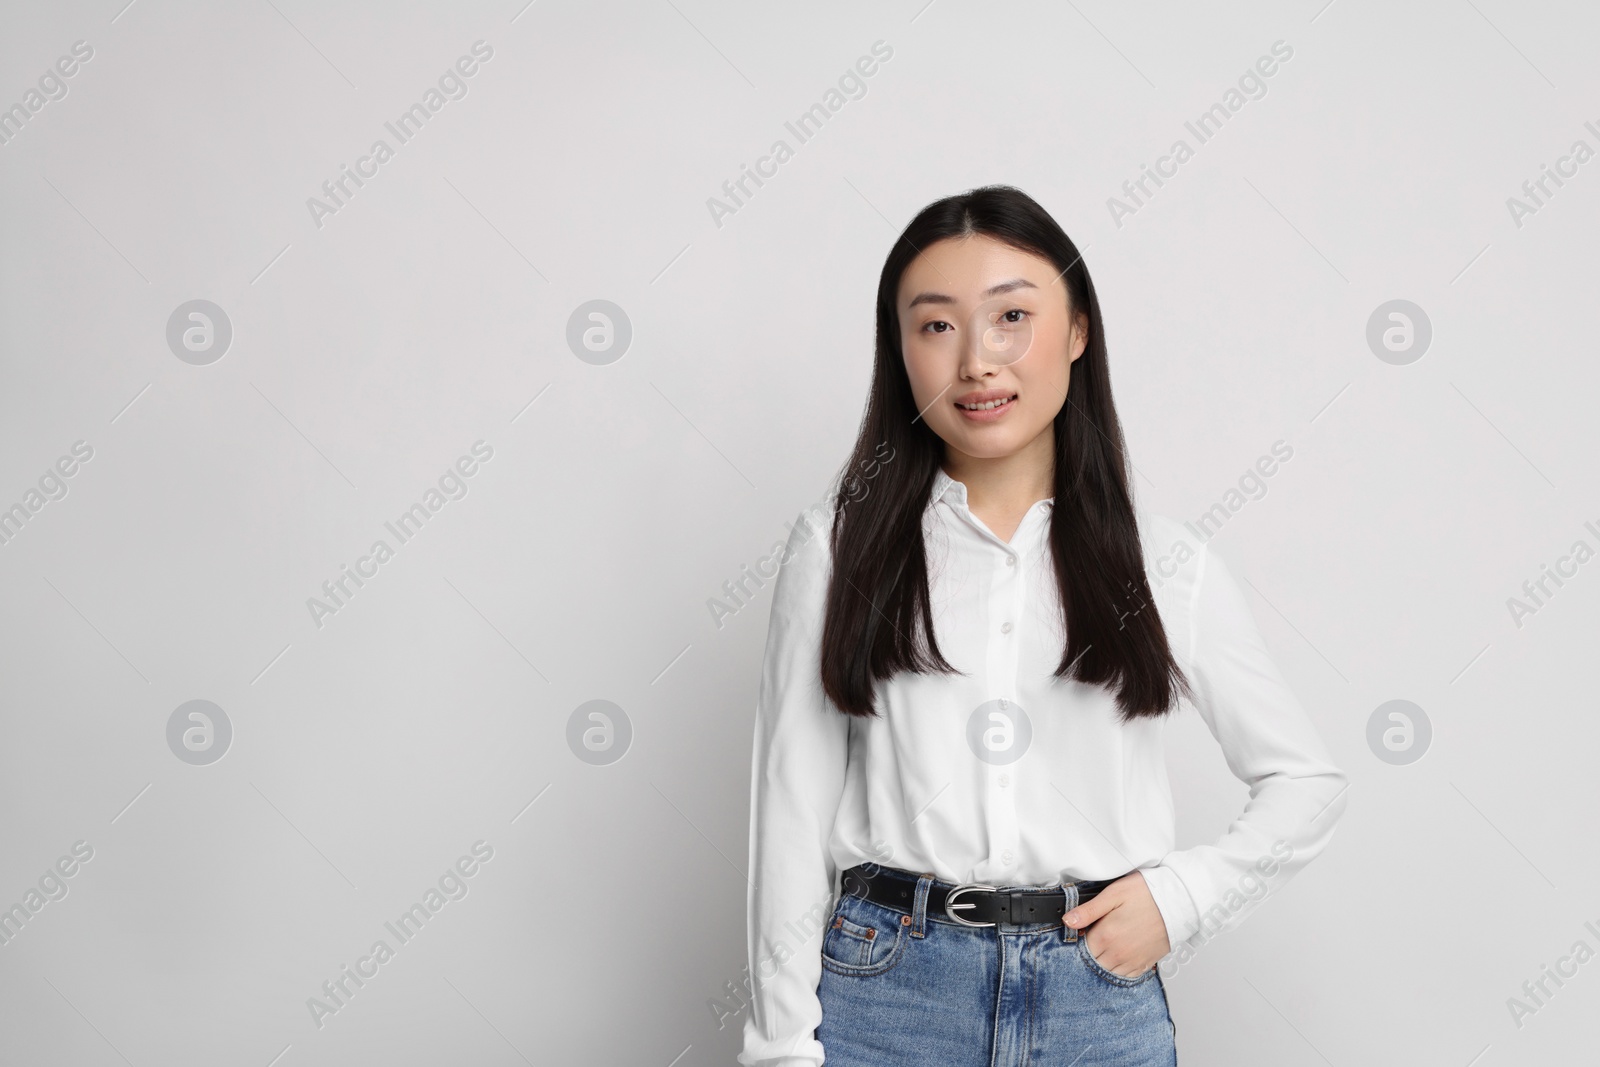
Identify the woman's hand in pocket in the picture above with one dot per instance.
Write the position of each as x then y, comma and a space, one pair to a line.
1128, 935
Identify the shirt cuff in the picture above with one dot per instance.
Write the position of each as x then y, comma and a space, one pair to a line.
805, 1052
1177, 908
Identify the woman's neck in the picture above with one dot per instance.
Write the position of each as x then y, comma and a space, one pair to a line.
1000, 490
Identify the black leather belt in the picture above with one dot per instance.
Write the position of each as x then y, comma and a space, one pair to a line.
978, 904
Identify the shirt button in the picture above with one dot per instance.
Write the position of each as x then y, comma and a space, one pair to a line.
1011, 561
1006, 856
1005, 627
1005, 779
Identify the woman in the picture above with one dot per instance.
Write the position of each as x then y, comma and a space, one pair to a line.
962, 833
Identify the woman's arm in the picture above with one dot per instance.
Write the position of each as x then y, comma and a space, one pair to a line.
796, 778
1296, 793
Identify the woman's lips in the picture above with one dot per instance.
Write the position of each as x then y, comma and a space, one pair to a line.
988, 414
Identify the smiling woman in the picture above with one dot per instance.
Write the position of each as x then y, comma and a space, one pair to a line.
971, 675
1003, 425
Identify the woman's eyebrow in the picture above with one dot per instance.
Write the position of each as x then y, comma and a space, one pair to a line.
994, 290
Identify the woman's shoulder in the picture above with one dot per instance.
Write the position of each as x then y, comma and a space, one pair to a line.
805, 557
1170, 545
1174, 561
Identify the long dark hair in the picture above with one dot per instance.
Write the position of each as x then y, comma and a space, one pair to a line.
878, 602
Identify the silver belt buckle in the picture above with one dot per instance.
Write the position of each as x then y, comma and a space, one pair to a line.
949, 902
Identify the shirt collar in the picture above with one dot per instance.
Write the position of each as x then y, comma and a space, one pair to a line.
948, 488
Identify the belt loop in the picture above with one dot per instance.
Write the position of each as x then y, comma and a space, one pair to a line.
919, 908
1068, 934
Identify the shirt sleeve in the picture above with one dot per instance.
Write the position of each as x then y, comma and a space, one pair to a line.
797, 776
1297, 794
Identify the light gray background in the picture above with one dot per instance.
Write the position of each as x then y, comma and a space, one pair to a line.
370, 353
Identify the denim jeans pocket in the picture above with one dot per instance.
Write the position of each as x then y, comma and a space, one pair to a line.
1110, 977
863, 938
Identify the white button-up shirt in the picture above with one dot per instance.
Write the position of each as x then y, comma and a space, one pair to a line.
1006, 774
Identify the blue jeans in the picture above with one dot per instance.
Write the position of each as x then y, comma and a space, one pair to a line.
916, 988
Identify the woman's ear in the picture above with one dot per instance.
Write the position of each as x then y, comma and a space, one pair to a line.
1080, 336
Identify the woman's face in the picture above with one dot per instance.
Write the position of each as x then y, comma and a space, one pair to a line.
980, 321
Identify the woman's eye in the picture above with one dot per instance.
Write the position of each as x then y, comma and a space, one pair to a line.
936, 322
1013, 311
